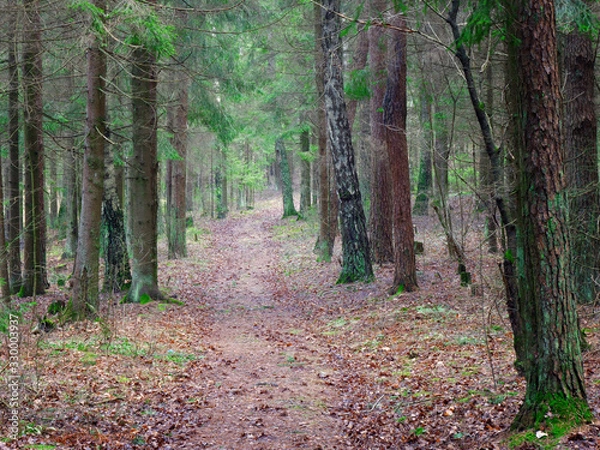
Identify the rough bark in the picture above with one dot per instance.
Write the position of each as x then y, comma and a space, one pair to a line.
176, 198
86, 270
34, 255
581, 163
554, 369
486, 179
142, 177
356, 255
286, 180
4, 273
117, 271
305, 172
221, 204
394, 117
328, 203
380, 217
14, 220
72, 168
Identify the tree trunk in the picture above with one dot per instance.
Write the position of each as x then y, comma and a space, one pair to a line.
117, 271
486, 178
85, 272
328, 202
380, 217
176, 201
581, 163
4, 274
356, 255
221, 207
34, 255
554, 369
394, 117
143, 179
286, 180
14, 222
305, 172
72, 166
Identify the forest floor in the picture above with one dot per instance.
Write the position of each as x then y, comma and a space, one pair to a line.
258, 348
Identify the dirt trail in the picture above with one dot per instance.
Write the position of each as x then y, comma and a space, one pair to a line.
266, 381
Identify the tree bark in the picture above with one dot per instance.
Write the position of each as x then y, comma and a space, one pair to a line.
85, 272
486, 178
143, 179
394, 117
305, 172
328, 202
34, 255
554, 368
356, 255
581, 163
380, 217
4, 273
286, 180
14, 222
176, 200
117, 271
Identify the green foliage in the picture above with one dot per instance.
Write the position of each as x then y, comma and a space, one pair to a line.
480, 22
206, 110
7, 312
146, 29
574, 15
358, 85
97, 15
166, 151
145, 299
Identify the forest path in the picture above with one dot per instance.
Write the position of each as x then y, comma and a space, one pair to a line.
266, 381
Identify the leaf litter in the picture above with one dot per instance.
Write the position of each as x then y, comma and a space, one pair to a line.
261, 350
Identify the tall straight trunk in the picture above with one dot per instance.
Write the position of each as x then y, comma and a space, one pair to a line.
221, 198
425, 179
86, 270
117, 271
142, 180
581, 164
554, 368
305, 172
394, 117
486, 179
72, 167
34, 255
328, 202
52, 188
176, 201
380, 217
4, 273
356, 254
14, 221
286, 180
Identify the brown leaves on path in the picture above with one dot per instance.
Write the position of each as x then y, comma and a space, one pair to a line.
261, 350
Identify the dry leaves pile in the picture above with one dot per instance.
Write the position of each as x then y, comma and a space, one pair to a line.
261, 350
